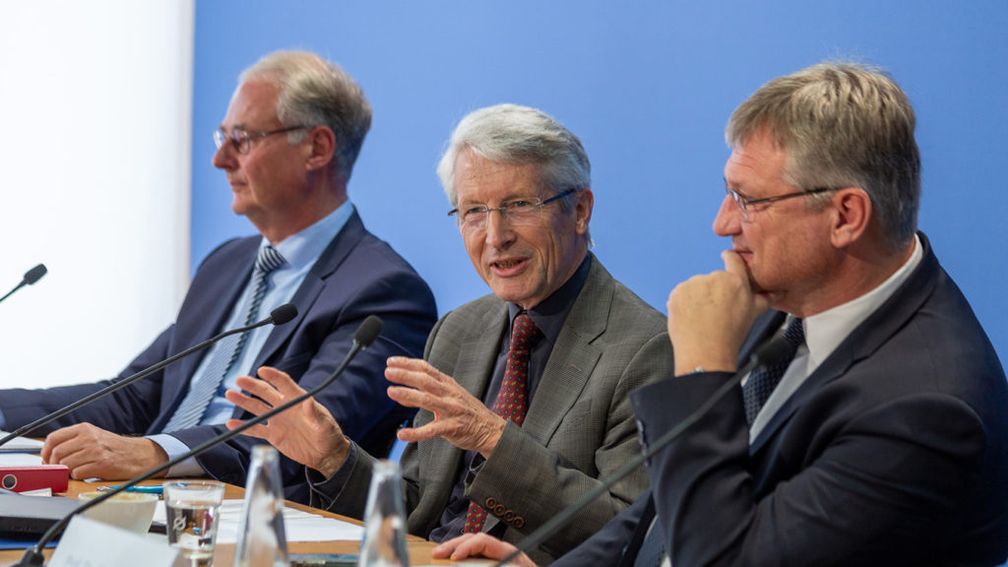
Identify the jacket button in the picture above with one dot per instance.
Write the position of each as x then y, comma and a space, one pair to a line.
489, 503
518, 522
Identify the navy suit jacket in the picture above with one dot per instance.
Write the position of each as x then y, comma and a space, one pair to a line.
894, 451
355, 276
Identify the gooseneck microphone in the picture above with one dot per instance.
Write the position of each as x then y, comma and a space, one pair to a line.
31, 276
278, 316
768, 353
366, 334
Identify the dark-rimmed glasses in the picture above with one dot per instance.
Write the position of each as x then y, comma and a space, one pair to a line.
241, 140
519, 211
746, 204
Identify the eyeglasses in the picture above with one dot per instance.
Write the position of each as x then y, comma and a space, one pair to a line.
241, 140
519, 212
746, 204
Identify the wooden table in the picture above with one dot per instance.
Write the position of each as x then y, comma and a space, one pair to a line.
419, 549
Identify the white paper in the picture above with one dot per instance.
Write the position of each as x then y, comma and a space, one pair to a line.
22, 443
298, 525
87, 542
19, 460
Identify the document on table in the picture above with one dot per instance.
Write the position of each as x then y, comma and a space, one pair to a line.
19, 460
298, 525
20, 444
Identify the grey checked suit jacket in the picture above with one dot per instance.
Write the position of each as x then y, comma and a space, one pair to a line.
579, 427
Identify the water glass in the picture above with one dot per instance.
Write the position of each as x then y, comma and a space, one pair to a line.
384, 543
193, 509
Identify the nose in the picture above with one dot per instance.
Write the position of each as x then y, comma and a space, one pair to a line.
498, 230
729, 218
224, 157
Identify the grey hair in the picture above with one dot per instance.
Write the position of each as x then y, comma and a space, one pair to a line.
520, 135
315, 92
842, 125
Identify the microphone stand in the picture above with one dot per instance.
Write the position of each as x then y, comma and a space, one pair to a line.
366, 334
279, 316
768, 352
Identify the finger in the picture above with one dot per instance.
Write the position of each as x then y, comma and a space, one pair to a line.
281, 381
427, 379
260, 389
482, 545
99, 469
423, 433
252, 405
416, 399
259, 430
407, 363
445, 548
734, 264
73, 455
63, 434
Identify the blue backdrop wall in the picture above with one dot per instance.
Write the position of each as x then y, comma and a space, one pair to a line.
648, 86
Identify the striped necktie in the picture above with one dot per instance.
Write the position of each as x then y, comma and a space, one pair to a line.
201, 393
764, 379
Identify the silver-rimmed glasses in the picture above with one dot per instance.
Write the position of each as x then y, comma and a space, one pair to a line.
520, 211
749, 204
241, 140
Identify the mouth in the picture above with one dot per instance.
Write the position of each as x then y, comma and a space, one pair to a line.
508, 267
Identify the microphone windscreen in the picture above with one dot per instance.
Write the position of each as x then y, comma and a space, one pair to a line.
283, 314
35, 274
368, 330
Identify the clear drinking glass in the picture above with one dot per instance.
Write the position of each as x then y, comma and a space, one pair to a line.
193, 509
262, 541
384, 543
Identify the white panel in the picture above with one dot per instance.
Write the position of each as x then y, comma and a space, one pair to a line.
95, 99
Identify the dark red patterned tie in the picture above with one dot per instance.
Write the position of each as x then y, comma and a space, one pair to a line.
511, 399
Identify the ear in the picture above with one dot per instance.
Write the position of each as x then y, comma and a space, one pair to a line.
320, 147
852, 212
583, 209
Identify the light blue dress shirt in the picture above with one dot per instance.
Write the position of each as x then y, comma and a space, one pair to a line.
301, 250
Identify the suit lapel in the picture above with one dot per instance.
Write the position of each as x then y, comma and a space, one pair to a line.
218, 293
573, 357
864, 340
315, 281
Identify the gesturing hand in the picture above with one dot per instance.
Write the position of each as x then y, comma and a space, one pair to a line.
306, 433
459, 418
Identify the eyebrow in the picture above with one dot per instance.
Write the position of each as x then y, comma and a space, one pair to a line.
509, 197
735, 189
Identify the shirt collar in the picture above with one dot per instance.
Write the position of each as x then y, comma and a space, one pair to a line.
825, 331
303, 248
550, 314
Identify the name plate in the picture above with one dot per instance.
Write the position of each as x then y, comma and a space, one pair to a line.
87, 543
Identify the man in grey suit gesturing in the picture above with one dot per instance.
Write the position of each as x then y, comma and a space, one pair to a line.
523, 393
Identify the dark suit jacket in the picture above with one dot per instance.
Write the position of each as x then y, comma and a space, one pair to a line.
356, 275
894, 451
578, 428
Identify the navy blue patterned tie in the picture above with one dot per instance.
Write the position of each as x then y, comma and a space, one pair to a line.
764, 379
192, 408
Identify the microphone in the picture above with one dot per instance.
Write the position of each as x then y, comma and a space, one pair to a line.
365, 335
31, 276
278, 316
770, 352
